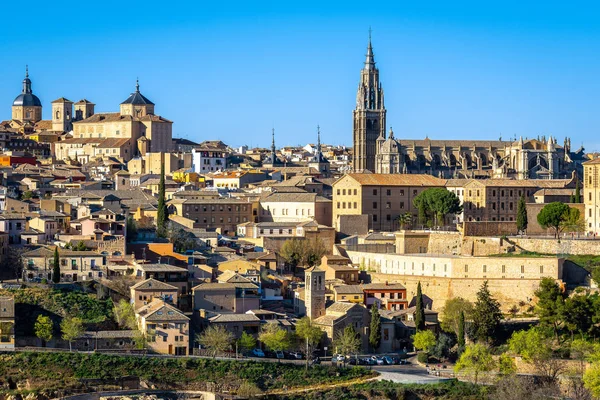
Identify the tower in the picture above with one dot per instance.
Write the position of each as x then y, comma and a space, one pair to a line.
272, 159
27, 107
319, 162
137, 105
83, 109
314, 292
368, 116
62, 115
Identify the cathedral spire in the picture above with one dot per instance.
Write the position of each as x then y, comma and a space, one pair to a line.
26, 81
137, 85
370, 61
273, 142
318, 139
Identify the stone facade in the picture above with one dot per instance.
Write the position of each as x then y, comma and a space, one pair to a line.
591, 195
315, 292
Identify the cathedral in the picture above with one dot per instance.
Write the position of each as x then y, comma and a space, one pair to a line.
541, 158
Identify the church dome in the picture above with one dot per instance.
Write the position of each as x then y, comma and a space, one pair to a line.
27, 98
136, 98
391, 145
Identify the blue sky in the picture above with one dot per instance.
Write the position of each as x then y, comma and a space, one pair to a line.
233, 70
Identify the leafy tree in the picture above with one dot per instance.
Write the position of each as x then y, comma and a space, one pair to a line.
216, 339
125, 314
27, 195
405, 220
43, 328
549, 308
436, 202
275, 338
246, 342
451, 313
553, 216
302, 252
461, 332
573, 221
578, 313
131, 228
80, 246
522, 215
375, 328
424, 340
347, 341
140, 340
162, 216
514, 310
536, 350
591, 379
182, 240
71, 328
420, 310
506, 365
486, 315
292, 252
313, 251
474, 360
12, 263
443, 346
309, 334
56, 267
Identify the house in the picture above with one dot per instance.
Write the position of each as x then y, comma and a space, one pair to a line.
14, 225
389, 296
166, 328
175, 276
146, 291
339, 267
340, 315
238, 295
405, 322
237, 323
7, 322
74, 265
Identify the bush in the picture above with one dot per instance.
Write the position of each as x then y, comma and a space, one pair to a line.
423, 357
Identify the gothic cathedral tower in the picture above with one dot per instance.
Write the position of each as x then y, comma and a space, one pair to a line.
369, 115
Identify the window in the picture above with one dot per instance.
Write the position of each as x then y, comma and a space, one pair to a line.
388, 205
343, 192
355, 205
484, 269
374, 218
374, 192
374, 205
401, 192
414, 192
466, 268
503, 269
388, 217
522, 269
338, 205
541, 269
401, 204
389, 192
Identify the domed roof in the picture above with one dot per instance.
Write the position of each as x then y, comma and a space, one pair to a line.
27, 98
136, 98
390, 145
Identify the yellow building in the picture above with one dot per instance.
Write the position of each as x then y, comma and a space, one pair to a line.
185, 176
166, 328
591, 195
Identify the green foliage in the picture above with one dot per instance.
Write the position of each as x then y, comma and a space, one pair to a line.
44, 328
405, 220
27, 195
420, 310
347, 341
550, 304
577, 192
536, 349
436, 203
506, 365
579, 313
461, 332
131, 228
216, 339
71, 328
302, 252
522, 215
591, 379
451, 313
56, 267
573, 221
423, 358
246, 342
474, 360
553, 216
162, 216
424, 340
275, 338
375, 328
125, 314
443, 346
182, 240
486, 315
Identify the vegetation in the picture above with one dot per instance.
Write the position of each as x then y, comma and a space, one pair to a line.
405, 220
555, 215
162, 216
275, 338
347, 342
375, 328
424, 340
451, 313
297, 252
56, 267
125, 314
246, 342
476, 359
182, 240
131, 228
50, 372
71, 328
486, 315
536, 349
309, 334
216, 338
44, 328
522, 215
434, 203
420, 310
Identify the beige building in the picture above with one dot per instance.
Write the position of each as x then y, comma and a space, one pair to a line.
145, 292
74, 265
7, 322
381, 197
166, 328
591, 195
295, 207
226, 297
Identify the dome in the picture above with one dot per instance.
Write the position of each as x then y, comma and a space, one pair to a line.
390, 146
27, 100
136, 98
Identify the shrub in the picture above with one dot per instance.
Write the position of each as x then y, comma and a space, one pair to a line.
423, 358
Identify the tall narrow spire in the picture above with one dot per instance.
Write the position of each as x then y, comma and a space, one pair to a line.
318, 138
370, 61
137, 85
26, 71
26, 81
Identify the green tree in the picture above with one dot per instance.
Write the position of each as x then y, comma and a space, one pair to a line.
303, 252
313, 251
375, 328
424, 340
27, 195
553, 216
420, 310
125, 314
182, 240
216, 339
437, 203
522, 215
246, 342
577, 192
43, 328
475, 360
578, 313
81, 246
347, 342
309, 334
443, 346
275, 338
131, 229
162, 216
573, 221
292, 252
486, 315
461, 332
56, 267
536, 350
549, 307
71, 328
451, 313
506, 365
591, 379
140, 340
405, 220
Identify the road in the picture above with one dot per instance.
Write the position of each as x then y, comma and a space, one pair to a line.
406, 374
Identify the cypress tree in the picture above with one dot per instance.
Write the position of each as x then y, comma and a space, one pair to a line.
56, 267
577, 193
461, 330
420, 310
162, 214
522, 215
375, 329
486, 315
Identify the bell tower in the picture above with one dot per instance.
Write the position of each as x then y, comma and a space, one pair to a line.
314, 292
368, 116
62, 115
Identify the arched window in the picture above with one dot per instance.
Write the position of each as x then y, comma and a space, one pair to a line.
57, 116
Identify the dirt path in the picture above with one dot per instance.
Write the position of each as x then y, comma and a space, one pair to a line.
320, 387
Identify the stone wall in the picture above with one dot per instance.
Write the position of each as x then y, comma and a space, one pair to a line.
489, 228
353, 224
553, 246
533, 209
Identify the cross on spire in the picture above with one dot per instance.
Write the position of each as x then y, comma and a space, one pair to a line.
26, 71
137, 85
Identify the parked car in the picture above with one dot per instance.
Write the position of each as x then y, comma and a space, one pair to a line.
279, 354
338, 358
369, 361
258, 353
377, 360
296, 355
387, 360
